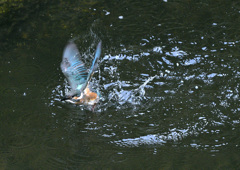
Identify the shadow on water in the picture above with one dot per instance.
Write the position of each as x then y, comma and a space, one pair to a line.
168, 78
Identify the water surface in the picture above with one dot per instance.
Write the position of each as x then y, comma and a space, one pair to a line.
168, 78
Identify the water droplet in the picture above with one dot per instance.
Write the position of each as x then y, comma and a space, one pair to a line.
107, 13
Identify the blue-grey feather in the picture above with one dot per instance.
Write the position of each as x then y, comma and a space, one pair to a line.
74, 69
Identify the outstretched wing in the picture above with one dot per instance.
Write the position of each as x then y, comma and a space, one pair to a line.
94, 63
74, 69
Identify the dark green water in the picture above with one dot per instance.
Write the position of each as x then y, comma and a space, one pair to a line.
187, 117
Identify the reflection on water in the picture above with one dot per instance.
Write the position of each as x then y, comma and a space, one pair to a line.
168, 79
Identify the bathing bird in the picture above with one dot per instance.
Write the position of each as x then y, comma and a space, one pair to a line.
78, 76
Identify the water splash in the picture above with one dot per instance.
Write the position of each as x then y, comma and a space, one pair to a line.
132, 96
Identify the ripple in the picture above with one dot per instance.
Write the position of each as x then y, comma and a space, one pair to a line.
78, 154
54, 162
21, 140
118, 157
29, 69
152, 139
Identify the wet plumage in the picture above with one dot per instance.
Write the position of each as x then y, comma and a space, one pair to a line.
78, 76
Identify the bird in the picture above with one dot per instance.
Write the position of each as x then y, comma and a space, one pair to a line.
79, 76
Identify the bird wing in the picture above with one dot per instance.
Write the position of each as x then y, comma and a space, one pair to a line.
95, 63
74, 69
